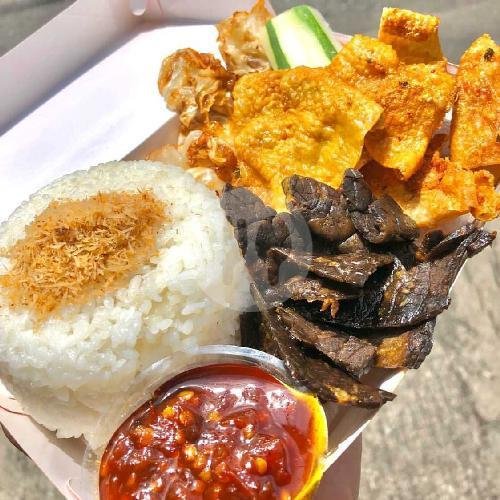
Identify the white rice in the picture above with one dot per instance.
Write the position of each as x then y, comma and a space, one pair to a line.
69, 371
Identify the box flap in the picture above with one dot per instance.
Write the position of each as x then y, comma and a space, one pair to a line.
190, 10
57, 51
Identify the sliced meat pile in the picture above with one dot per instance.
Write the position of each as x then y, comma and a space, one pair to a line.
343, 282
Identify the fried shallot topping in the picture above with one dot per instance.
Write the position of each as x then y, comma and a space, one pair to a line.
75, 251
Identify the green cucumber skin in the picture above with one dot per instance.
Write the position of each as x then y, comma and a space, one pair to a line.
279, 56
304, 14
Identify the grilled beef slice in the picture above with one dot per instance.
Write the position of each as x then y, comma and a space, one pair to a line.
353, 244
406, 349
354, 355
257, 228
351, 269
422, 292
326, 381
356, 191
324, 208
242, 207
310, 289
436, 243
280, 231
408, 297
384, 221
379, 291
360, 313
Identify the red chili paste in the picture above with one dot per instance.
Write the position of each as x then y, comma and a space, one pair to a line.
225, 432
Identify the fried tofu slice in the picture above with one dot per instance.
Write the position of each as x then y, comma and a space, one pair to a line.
413, 36
441, 190
414, 97
239, 41
297, 121
475, 128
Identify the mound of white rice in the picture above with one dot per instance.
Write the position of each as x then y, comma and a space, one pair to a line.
68, 371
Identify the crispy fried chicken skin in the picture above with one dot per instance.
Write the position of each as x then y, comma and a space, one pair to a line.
414, 98
439, 191
475, 128
413, 36
298, 121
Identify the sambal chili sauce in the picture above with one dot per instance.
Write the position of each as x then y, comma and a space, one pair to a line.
223, 432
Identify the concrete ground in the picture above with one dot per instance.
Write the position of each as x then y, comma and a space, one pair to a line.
440, 439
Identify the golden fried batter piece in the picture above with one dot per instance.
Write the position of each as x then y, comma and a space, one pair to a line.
414, 97
475, 128
439, 191
197, 87
415, 100
413, 36
239, 40
171, 154
298, 121
211, 147
365, 63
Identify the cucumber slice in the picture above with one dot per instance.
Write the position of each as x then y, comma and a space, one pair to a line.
299, 36
279, 59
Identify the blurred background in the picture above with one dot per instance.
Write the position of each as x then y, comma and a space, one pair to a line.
440, 439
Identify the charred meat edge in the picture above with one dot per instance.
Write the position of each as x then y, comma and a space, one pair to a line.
351, 269
354, 355
310, 289
324, 208
327, 382
406, 349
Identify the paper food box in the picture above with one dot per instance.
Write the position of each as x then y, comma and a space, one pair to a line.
82, 91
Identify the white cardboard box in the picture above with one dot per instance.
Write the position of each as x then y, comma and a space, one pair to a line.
81, 91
